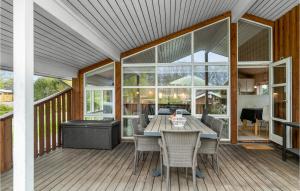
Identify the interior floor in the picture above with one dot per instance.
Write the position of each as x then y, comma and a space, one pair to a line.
248, 133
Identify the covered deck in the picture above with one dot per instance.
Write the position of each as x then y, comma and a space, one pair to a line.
240, 169
132, 58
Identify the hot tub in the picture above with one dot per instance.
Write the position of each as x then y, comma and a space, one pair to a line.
91, 134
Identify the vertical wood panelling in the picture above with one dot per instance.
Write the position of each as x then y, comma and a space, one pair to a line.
59, 121
47, 118
54, 124
233, 81
41, 129
5, 144
118, 90
69, 97
286, 43
63, 102
35, 133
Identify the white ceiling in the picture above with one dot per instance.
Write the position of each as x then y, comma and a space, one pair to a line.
125, 23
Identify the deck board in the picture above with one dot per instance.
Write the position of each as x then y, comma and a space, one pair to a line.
240, 169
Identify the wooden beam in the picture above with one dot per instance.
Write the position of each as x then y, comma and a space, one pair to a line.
118, 86
258, 19
233, 81
240, 8
96, 65
70, 19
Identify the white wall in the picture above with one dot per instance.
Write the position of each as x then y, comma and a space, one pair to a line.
251, 101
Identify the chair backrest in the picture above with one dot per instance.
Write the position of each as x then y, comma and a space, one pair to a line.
218, 126
180, 147
204, 115
143, 122
209, 120
147, 117
266, 113
137, 129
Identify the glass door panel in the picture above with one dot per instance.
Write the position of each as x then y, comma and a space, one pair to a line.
280, 96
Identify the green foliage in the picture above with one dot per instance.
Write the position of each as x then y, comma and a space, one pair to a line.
44, 87
6, 84
5, 109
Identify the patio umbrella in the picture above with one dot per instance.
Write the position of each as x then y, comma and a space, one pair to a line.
187, 81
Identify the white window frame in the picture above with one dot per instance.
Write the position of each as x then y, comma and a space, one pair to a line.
192, 87
92, 89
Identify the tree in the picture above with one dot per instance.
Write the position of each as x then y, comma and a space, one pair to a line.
44, 87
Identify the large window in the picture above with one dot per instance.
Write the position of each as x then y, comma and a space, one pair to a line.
190, 72
99, 93
254, 42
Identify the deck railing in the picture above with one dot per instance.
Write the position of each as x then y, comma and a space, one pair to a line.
49, 113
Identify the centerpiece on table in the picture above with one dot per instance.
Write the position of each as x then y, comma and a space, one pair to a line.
178, 121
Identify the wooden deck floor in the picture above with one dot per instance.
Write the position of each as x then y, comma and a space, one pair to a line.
240, 169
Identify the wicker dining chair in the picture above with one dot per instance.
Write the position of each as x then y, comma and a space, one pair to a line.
142, 143
211, 146
209, 120
179, 149
204, 115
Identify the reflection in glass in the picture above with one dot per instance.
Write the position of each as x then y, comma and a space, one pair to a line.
214, 100
254, 42
278, 128
177, 50
138, 100
139, 76
174, 98
147, 56
279, 102
211, 43
127, 127
99, 102
225, 131
279, 76
174, 75
210, 75
88, 101
103, 76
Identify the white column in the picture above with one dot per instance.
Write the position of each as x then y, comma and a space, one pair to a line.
23, 165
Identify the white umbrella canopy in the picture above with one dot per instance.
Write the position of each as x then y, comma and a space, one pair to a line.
187, 81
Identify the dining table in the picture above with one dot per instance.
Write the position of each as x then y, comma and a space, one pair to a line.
163, 122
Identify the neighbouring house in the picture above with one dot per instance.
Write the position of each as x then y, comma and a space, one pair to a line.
6, 95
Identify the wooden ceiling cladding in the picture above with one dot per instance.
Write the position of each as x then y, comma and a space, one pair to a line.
272, 9
132, 23
127, 24
53, 41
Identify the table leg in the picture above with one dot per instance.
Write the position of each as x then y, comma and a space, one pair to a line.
244, 124
256, 127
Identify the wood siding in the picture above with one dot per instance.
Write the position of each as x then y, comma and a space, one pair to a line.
233, 82
286, 44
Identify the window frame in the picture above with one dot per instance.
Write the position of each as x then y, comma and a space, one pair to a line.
192, 87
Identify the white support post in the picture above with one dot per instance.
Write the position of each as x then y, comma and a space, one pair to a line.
23, 164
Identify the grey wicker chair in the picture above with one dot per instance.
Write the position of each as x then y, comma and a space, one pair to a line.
204, 115
211, 146
209, 120
179, 149
142, 143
